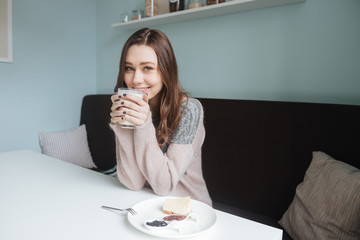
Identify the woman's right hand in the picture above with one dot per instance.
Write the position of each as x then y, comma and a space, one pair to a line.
130, 108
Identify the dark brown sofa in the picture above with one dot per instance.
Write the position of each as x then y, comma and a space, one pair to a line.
255, 152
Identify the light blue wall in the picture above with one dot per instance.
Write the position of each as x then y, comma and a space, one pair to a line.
54, 67
66, 49
303, 52
109, 40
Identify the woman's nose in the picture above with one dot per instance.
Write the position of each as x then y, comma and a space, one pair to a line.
138, 77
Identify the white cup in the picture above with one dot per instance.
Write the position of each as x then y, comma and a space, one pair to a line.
124, 123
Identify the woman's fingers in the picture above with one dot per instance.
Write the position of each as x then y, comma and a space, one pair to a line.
131, 108
116, 116
115, 113
137, 100
115, 98
138, 118
146, 97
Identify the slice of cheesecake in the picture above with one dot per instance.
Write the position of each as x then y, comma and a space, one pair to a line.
177, 205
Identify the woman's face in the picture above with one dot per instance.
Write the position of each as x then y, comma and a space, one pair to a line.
141, 70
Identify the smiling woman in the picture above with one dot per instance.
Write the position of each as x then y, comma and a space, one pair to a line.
6, 31
164, 150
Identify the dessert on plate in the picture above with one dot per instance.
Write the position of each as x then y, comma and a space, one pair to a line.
177, 206
177, 210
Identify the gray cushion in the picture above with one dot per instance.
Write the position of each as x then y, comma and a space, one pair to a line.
70, 145
327, 203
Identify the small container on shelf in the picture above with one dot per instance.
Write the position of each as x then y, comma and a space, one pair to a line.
176, 5
195, 4
211, 2
125, 16
137, 14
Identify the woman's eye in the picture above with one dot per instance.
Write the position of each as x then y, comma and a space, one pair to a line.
148, 69
127, 68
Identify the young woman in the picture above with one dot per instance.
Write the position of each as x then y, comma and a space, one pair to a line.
164, 150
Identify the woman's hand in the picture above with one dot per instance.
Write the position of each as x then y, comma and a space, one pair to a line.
130, 108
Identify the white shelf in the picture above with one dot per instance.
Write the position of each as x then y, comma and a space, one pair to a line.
203, 12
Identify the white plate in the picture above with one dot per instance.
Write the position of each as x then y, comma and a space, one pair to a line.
152, 209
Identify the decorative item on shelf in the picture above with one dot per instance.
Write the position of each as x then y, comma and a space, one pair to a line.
156, 7
210, 2
176, 5
137, 14
125, 16
229, 6
195, 4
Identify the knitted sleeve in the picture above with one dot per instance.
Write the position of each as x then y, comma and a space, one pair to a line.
189, 123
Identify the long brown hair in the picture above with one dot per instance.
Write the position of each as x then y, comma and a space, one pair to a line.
172, 92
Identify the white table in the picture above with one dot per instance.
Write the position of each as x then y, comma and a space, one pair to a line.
46, 198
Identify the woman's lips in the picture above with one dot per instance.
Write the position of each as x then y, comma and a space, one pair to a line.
143, 89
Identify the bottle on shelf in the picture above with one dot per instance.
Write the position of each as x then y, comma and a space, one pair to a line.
176, 5
156, 7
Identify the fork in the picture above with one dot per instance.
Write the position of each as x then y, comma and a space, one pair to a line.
130, 210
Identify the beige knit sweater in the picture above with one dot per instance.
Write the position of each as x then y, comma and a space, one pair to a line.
176, 171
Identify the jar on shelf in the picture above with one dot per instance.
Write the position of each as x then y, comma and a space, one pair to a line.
137, 14
176, 5
210, 2
125, 16
195, 4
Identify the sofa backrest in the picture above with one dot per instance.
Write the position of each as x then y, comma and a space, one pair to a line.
95, 114
256, 152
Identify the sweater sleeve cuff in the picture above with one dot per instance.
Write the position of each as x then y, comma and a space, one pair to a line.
116, 127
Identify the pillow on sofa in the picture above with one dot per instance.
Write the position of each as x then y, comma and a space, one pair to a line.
327, 203
71, 146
